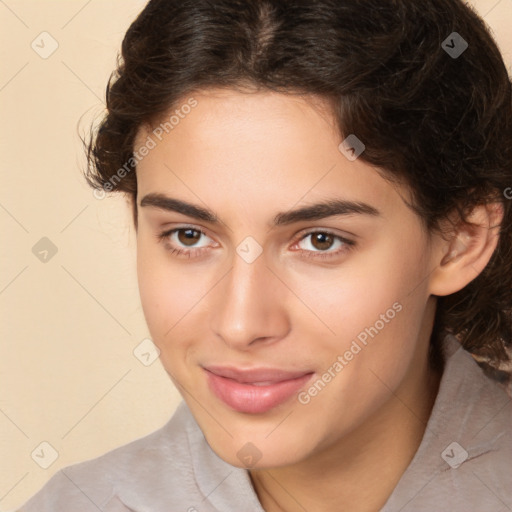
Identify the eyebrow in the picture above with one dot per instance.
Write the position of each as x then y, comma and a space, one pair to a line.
330, 208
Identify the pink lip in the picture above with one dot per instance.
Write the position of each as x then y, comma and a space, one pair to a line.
237, 388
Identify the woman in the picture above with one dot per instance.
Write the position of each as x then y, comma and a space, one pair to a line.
321, 192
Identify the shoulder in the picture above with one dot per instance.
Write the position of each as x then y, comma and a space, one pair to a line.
172, 468
155, 465
464, 461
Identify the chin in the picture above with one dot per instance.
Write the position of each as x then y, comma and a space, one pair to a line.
256, 450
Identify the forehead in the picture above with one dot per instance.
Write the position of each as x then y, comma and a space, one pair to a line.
218, 112
255, 146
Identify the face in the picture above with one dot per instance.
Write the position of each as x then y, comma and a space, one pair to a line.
267, 310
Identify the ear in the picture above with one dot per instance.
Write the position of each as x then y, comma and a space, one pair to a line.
462, 257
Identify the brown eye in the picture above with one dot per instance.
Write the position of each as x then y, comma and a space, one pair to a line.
188, 237
322, 241
186, 241
323, 244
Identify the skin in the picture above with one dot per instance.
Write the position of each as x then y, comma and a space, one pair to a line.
248, 157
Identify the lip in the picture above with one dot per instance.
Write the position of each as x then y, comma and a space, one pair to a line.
239, 389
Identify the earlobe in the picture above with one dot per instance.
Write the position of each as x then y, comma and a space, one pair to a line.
462, 258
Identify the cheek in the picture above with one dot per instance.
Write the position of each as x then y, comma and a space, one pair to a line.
162, 289
377, 335
163, 309
375, 308
363, 292
172, 297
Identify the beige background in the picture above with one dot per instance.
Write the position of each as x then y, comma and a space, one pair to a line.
69, 325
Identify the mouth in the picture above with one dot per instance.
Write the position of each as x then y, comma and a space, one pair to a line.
257, 390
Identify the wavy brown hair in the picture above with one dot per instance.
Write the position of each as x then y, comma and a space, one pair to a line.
440, 123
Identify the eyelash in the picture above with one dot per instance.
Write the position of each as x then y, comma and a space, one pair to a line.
196, 252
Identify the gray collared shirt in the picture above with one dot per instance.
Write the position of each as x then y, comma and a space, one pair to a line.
463, 464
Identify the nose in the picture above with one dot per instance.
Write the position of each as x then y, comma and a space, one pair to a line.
249, 306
